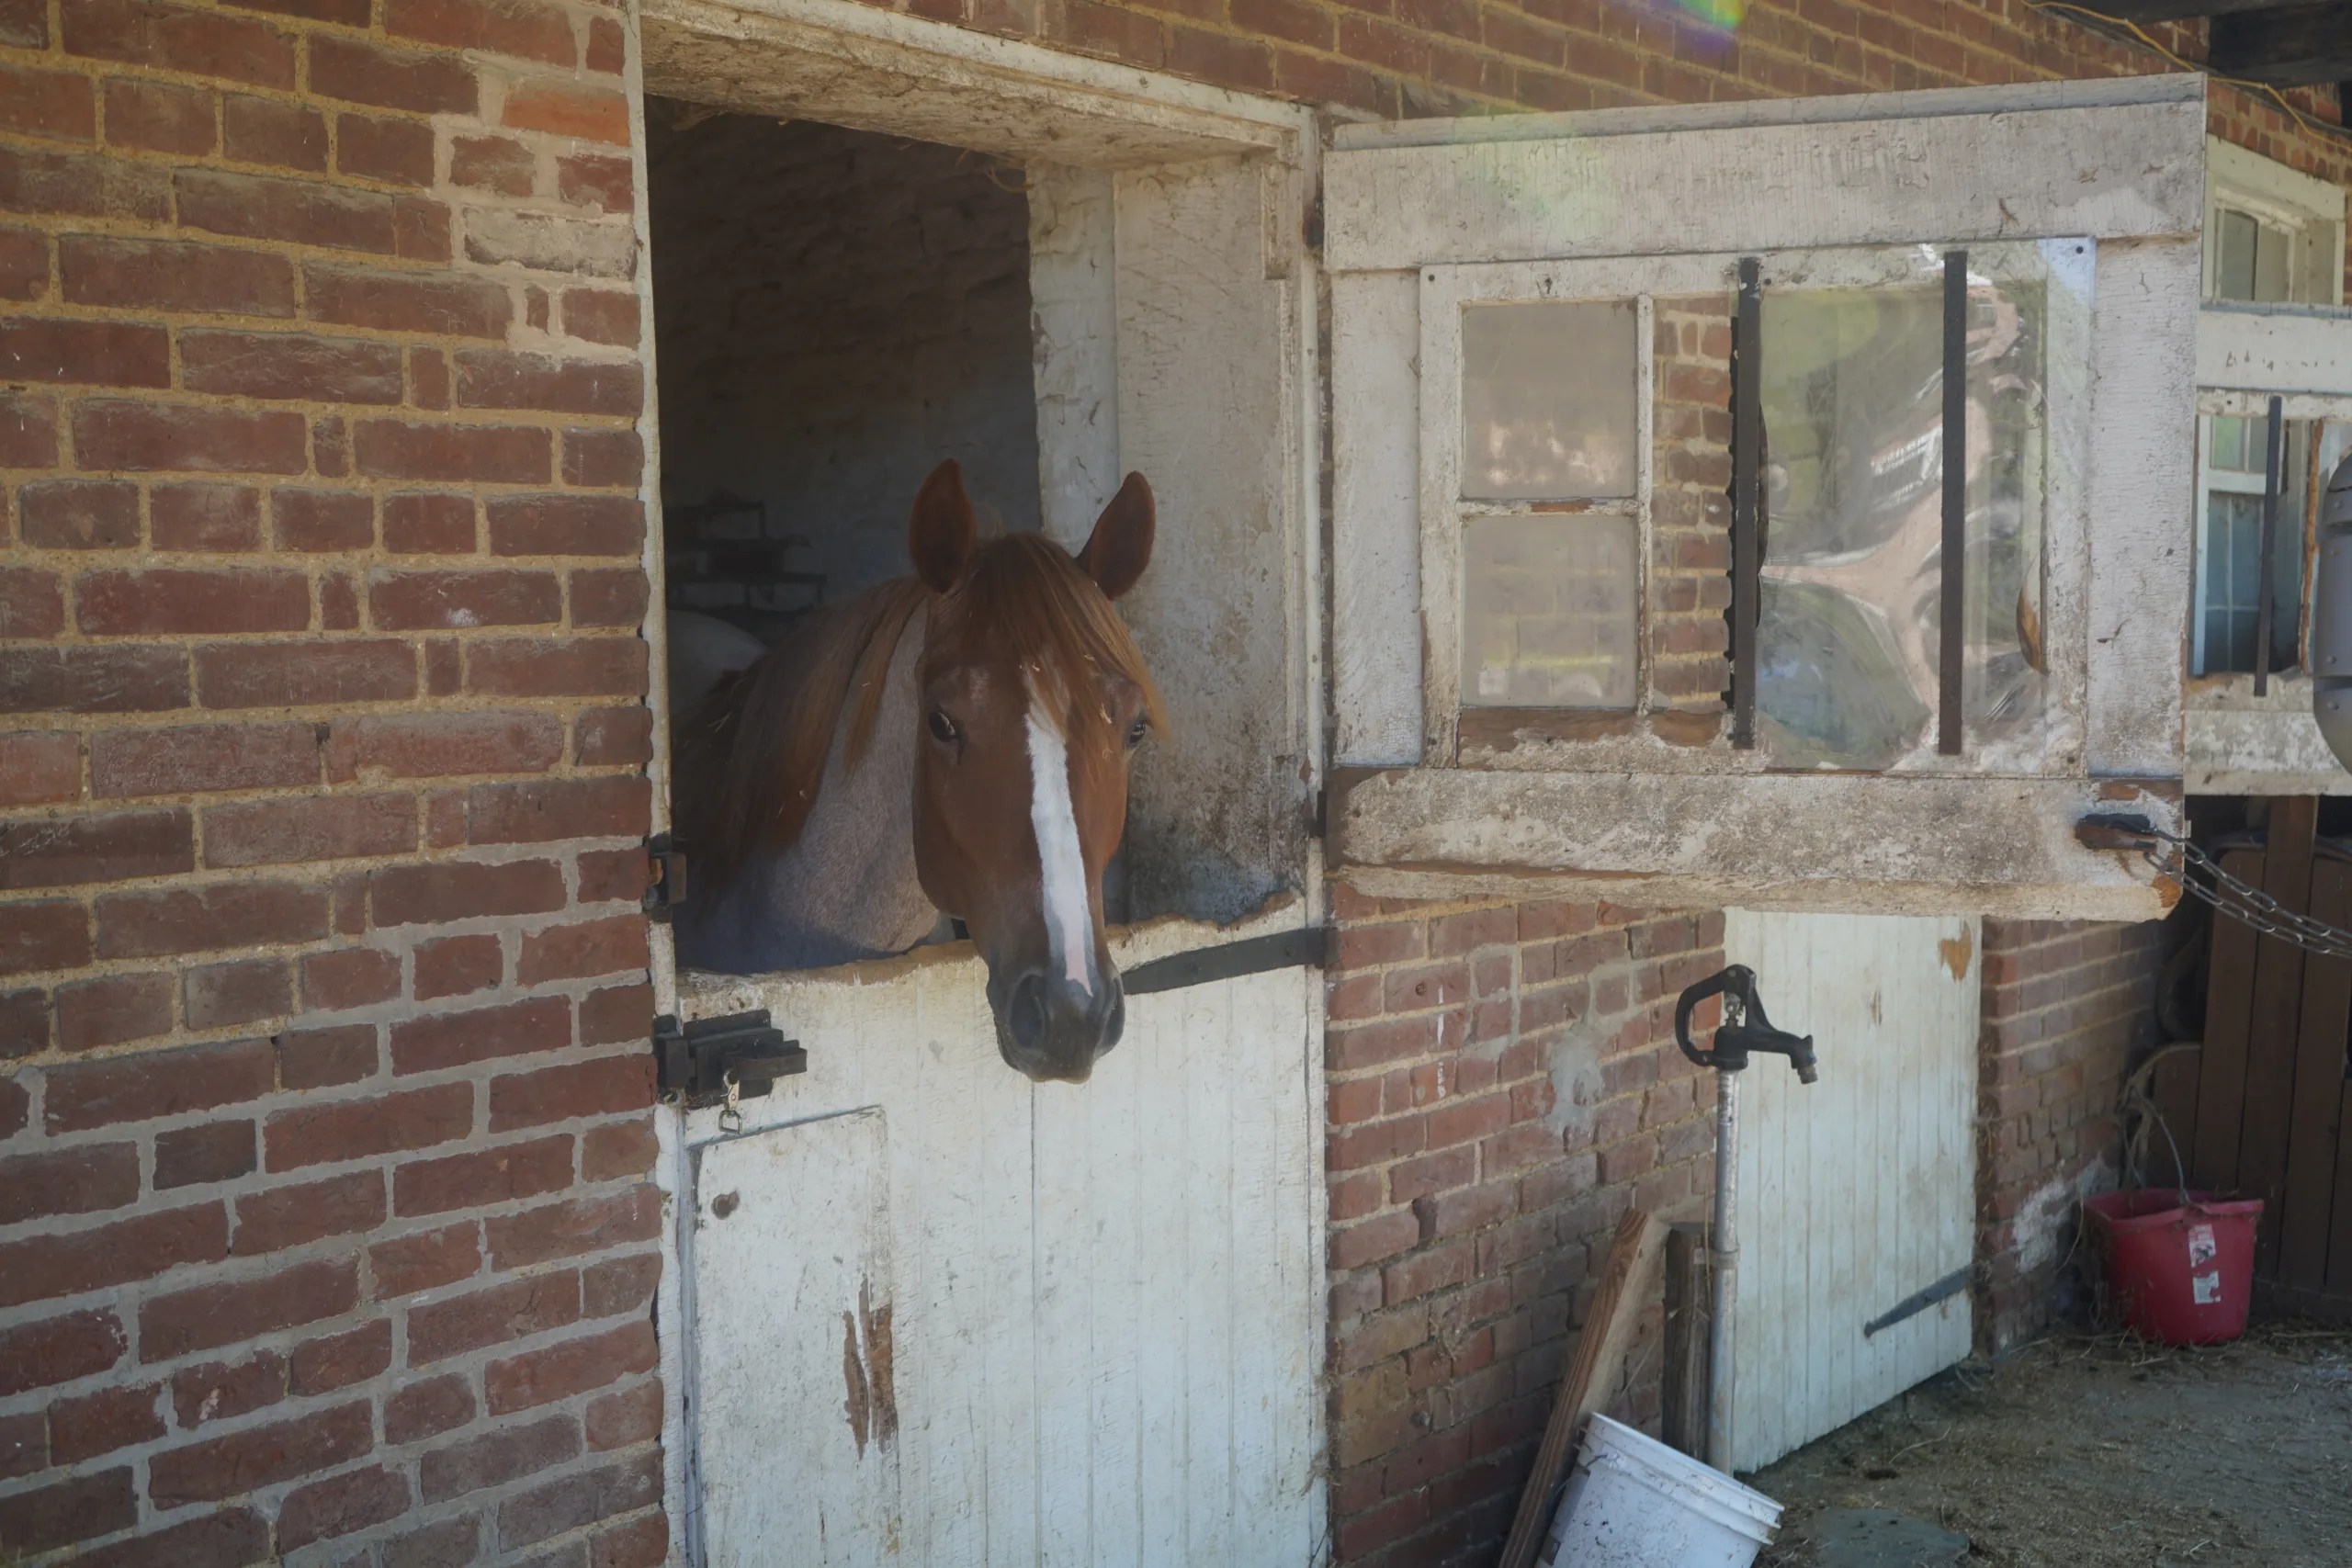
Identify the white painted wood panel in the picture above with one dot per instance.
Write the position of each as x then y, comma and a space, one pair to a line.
2275, 348
1858, 1190
2114, 171
1107, 1308
1376, 519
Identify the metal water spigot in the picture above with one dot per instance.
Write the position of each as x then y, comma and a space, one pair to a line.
1745, 1027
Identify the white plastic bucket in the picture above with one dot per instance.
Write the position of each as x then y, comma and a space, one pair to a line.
1632, 1501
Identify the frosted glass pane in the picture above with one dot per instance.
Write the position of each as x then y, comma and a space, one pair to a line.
1848, 638
1547, 401
1548, 612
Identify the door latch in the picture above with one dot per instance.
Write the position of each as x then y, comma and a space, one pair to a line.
696, 1064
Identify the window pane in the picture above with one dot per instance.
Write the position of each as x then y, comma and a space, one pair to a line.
2230, 584
2272, 249
1848, 639
1547, 612
2234, 257
2230, 447
1547, 401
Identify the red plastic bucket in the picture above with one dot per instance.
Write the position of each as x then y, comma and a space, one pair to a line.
2182, 1272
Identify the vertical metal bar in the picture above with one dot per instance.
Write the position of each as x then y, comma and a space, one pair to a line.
1954, 603
1746, 443
2274, 460
1724, 1286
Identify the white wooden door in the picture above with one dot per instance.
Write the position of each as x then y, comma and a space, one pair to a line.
943, 1317
1857, 1193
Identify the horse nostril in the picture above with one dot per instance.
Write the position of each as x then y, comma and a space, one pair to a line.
1027, 1014
1116, 1025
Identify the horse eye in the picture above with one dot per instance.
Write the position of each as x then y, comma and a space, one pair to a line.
943, 729
1137, 731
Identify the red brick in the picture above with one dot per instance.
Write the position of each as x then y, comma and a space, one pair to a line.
399, 79
174, 276
44, 1266
95, 354
609, 598
212, 1315
426, 1260
246, 1462
575, 1366
272, 131
457, 965
79, 514
611, 946
397, 151
15, 1105
69, 1511
569, 1229
602, 315
53, 934
28, 425
409, 894
230, 1538
631, 1416
168, 1082
524, 28
451, 1040
59, 852
58, 1349
482, 1176
603, 184
159, 116
566, 525
613, 737
69, 1182
339, 1360
565, 108
140, 436
207, 43
362, 1129
38, 768
290, 366
498, 1457
492, 163
339, 1505
217, 1150
218, 1390
320, 520
205, 517
282, 1217
413, 302
324, 1059
324, 828
393, 450
196, 920
568, 667
614, 876
114, 1009
23, 275
512, 1311
205, 757
47, 103
417, 600
305, 675
422, 523
80, 184
603, 457
619, 1285
100, 1423
499, 379
422, 1409
32, 606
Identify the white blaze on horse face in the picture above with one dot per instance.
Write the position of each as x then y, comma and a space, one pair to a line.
1069, 929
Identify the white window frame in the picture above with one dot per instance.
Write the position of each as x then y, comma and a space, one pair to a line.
1652, 191
2308, 209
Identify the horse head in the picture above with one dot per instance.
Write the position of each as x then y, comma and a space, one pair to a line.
1034, 701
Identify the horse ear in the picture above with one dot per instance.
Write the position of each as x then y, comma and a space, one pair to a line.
1120, 547
941, 533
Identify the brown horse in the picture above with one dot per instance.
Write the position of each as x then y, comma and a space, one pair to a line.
858, 782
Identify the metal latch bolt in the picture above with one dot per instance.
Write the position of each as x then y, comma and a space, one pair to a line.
722, 1061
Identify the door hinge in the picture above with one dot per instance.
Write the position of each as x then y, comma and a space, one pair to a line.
693, 1062
665, 888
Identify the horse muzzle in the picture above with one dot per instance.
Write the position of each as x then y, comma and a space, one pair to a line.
1050, 1030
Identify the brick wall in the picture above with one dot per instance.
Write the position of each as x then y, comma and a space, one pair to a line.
2066, 1005
1502, 1084
324, 1122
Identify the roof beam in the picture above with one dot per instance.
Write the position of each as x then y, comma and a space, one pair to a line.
2291, 46
2184, 10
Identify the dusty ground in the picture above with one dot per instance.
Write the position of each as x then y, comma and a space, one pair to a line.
2105, 1452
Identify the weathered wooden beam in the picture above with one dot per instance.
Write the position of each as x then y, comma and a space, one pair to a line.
1683, 1419
2290, 46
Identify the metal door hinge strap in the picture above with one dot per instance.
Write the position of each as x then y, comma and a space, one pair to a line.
1254, 955
665, 888
1918, 1302
695, 1062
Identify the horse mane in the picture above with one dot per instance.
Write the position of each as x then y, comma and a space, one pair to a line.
750, 756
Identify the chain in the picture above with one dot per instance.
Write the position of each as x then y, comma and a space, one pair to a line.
2176, 858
